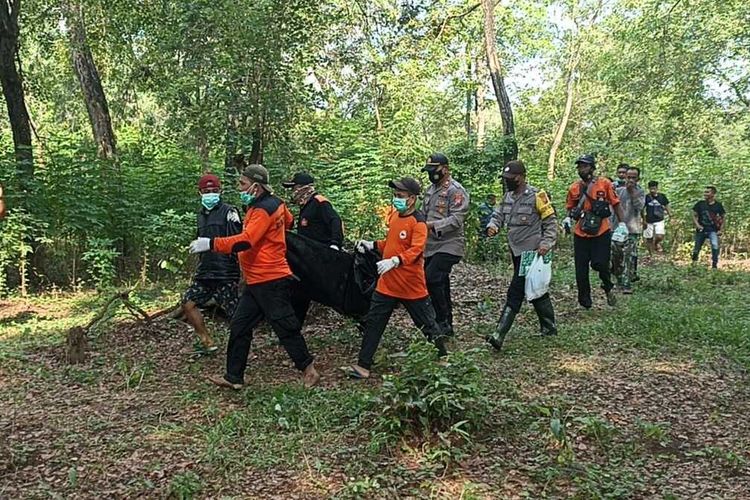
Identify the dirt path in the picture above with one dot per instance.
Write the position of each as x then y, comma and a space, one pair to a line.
139, 415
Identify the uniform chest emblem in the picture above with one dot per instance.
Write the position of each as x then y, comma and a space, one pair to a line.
402, 234
303, 223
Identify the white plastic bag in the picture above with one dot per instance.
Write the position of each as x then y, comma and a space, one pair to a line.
620, 234
538, 278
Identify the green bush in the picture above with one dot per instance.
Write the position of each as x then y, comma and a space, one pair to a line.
100, 259
185, 486
429, 395
166, 236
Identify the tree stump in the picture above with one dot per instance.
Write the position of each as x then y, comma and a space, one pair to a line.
76, 347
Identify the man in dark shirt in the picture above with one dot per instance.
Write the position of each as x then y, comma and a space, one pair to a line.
657, 205
708, 218
217, 277
317, 220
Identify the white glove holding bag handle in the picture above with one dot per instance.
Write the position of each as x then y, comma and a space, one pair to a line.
364, 245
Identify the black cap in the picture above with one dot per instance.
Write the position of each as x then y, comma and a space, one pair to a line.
513, 168
407, 184
299, 179
588, 159
434, 161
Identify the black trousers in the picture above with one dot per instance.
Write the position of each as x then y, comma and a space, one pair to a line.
381, 308
438, 275
269, 301
300, 301
517, 288
594, 252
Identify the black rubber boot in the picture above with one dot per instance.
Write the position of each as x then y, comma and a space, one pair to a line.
439, 343
546, 313
503, 326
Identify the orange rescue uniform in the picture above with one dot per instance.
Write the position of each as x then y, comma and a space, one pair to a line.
261, 246
600, 189
406, 239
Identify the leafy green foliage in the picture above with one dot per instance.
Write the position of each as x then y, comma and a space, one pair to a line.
429, 396
185, 486
358, 94
100, 256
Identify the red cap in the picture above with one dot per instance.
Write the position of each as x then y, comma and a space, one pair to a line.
209, 181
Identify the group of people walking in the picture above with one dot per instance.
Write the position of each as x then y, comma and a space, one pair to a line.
417, 256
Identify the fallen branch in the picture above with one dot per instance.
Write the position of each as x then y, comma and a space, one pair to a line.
77, 337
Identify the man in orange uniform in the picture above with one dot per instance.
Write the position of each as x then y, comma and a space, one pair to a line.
261, 247
588, 203
402, 277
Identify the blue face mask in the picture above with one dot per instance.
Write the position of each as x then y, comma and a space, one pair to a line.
210, 200
400, 205
247, 198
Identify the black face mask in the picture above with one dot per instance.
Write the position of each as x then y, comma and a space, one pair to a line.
511, 184
586, 177
436, 175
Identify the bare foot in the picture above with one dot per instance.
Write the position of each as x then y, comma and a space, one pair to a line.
222, 382
310, 377
359, 372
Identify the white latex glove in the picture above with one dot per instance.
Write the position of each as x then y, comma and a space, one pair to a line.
363, 245
334, 247
567, 222
386, 265
200, 245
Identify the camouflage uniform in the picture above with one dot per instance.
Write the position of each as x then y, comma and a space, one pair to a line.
625, 254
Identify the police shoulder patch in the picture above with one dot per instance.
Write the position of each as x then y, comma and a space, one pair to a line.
458, 199
544, 205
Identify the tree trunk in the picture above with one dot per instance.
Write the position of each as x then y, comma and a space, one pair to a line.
256, 152
203, 150
14, 97
570, 91
88, 77
231, 144
470, 91
503, 101
481, 112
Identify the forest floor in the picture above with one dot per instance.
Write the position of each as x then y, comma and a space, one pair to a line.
649, 399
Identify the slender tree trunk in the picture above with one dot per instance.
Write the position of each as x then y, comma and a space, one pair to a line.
256, 152
376, 107
87, 73
14, 96
493, 63
203, 150
570, 95
470, 91
481, 112
231, 144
